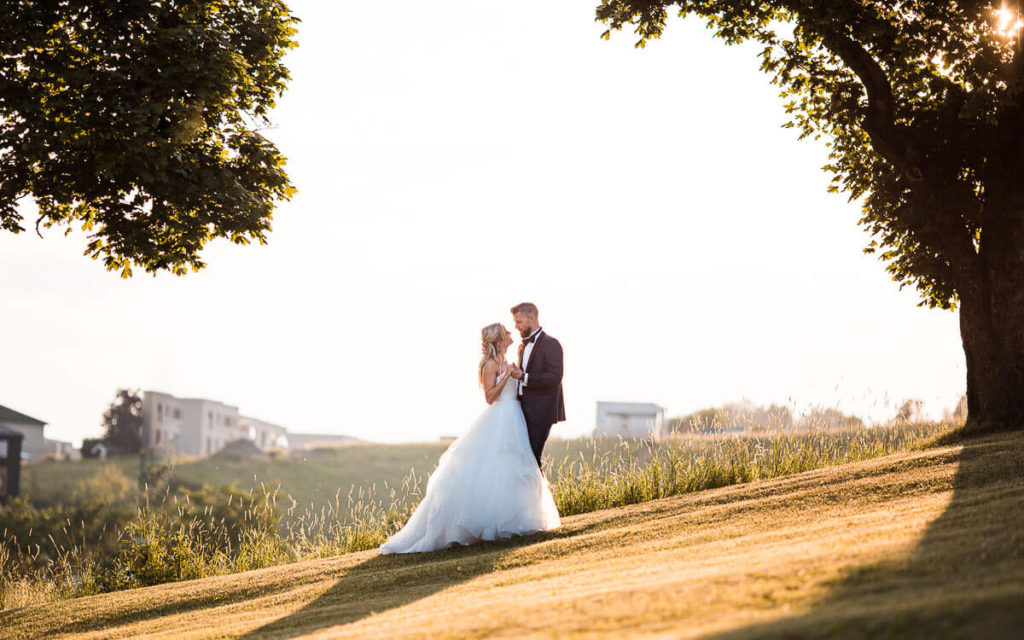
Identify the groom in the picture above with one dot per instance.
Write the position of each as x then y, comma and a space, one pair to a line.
539, 373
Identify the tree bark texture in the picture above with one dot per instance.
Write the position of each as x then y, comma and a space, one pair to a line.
992, 320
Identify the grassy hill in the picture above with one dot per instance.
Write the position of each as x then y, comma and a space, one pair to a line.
921, 544
312, 478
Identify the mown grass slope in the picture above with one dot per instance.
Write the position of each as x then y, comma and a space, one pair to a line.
920, 544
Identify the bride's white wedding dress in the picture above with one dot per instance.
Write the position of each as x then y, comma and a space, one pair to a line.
486, 486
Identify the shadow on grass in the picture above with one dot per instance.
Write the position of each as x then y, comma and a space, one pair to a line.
376, 584
106, 618
382, 583
964, 579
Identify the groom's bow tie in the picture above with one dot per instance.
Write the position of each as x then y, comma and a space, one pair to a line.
522, 346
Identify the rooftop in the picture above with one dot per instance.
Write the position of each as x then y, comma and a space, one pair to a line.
10, 415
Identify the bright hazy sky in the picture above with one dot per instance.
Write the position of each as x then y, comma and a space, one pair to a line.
455, 158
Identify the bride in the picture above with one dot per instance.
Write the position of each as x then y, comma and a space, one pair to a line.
487, 484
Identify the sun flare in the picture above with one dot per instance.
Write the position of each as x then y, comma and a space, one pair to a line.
1008, 22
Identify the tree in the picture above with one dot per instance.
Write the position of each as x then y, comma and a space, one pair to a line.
122, 422
922, 105
736, 416
139, 122
87, 447
911, 411
958, 414
826, 418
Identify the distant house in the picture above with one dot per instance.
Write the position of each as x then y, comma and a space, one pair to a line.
265, 435
99, 450
62, 450
33, 447
630, 419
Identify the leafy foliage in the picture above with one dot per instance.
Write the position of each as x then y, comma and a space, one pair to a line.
735, 416
122, 422
747, 417
139, 121
920, 102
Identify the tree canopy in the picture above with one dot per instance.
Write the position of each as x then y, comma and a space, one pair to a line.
920, 102
139, 122
122, 422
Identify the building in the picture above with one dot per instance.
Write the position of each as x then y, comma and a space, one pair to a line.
188, 426
33, 447
98, 450
266, 435
62, 450
162, 418
201, 427
10, 462
630, 420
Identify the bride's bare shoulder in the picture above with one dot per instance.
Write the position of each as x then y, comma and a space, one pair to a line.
490, 369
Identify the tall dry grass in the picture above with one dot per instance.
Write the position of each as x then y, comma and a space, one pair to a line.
210, 532
639, 470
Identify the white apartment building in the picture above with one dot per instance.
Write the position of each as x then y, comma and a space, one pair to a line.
61, 450
162, 417
630, 419
264, 434
190, 426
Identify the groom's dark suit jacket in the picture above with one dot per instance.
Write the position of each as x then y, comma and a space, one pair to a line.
542, 399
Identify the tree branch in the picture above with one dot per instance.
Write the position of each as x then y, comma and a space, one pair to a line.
890, 141
880, 120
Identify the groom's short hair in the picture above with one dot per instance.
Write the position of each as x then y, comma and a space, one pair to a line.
528, 308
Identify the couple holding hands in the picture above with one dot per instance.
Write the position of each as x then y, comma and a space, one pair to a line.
488, 484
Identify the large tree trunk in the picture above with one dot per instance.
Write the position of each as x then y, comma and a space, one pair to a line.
995, 370
992, 326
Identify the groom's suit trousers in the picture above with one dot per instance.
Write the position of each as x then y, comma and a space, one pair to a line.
538, 436
542, 401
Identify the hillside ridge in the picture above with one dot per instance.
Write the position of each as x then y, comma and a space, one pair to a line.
909, 545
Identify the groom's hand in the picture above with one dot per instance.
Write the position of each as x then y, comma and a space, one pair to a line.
517, 373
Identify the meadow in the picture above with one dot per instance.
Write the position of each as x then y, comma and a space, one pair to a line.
923, 543
311, 479
176, 532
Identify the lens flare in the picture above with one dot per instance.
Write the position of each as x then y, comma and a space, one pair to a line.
1008, 22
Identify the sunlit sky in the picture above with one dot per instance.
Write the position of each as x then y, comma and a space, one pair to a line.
455, 158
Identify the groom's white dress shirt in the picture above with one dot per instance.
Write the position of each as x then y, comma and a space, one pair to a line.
526, 356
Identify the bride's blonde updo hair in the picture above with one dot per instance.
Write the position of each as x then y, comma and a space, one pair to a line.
490, 339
